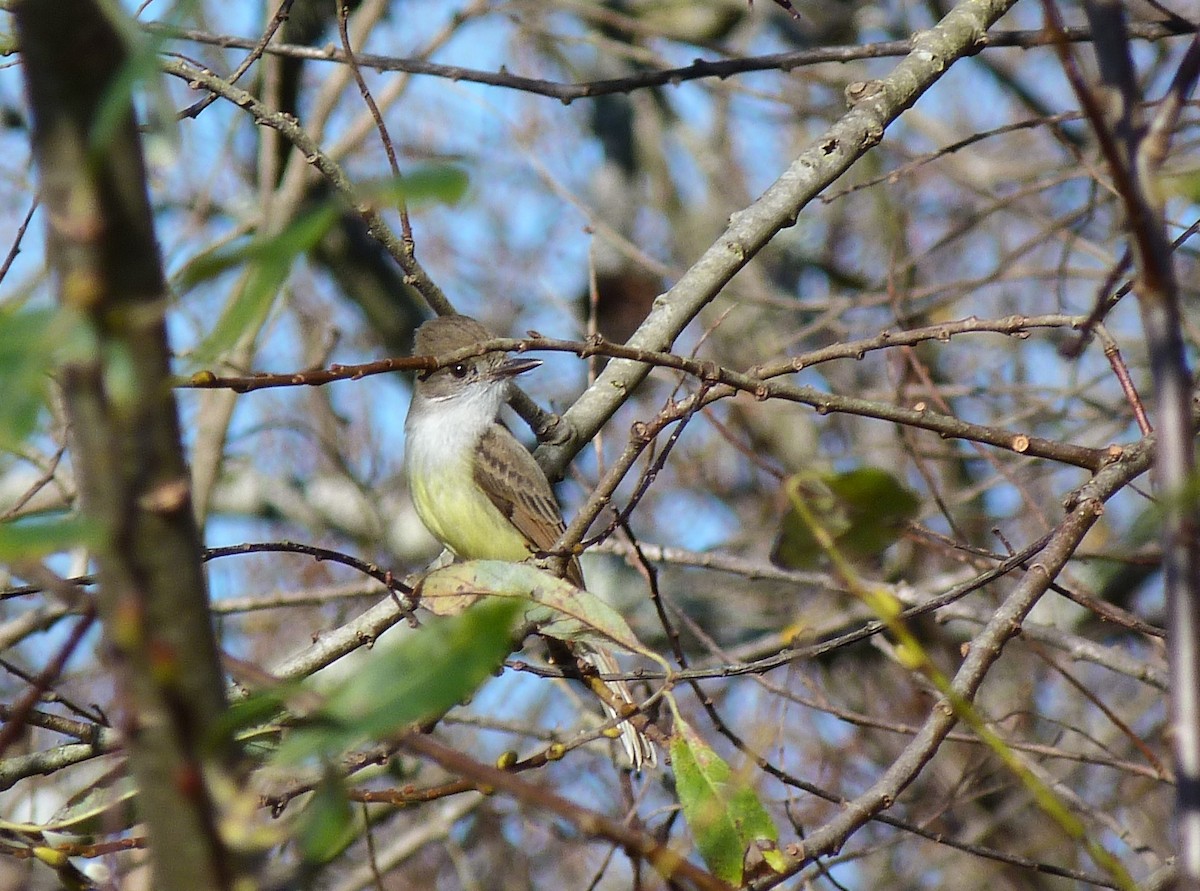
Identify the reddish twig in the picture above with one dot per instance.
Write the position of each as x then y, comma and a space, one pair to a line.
670, 864
15, 722
1113, 354
16, 245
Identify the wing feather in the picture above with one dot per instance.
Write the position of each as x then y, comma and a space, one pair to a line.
506, 471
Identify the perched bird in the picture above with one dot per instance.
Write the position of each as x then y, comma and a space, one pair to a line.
477, 489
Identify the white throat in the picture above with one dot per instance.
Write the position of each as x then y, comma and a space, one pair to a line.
445, 429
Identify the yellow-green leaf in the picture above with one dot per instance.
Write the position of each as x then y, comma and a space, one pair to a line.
559, 609
724, 814
105, 806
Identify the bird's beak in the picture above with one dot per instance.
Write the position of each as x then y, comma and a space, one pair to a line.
513, 367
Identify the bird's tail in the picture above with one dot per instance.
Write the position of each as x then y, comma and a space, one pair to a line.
639, 748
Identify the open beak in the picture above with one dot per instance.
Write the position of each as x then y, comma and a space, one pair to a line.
513, 367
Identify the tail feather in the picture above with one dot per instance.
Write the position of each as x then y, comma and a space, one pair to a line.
639, 748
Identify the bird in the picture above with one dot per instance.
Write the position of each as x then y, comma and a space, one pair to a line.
481, 493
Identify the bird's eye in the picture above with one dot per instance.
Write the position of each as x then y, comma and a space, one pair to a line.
459, 370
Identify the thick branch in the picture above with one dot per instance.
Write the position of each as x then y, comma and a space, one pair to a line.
881, 103
127, 451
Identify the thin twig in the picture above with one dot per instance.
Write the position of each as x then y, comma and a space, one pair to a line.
700, 69
254, 55
16, 245
343, 14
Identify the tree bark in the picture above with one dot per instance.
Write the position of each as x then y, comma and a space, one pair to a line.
125, 432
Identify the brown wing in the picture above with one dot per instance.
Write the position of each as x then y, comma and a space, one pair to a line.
519, 490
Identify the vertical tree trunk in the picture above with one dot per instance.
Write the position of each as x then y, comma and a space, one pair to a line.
125, 433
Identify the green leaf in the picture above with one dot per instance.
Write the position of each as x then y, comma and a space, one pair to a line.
559, 609
30, 539
796, 547
435, 183
140, 69
328, 824
725, 816
863, 511
269, 262
418, 677
32, 341
269, 259
877, 505
301, 234
254, 711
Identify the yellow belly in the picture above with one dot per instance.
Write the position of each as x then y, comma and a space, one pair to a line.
462, 517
